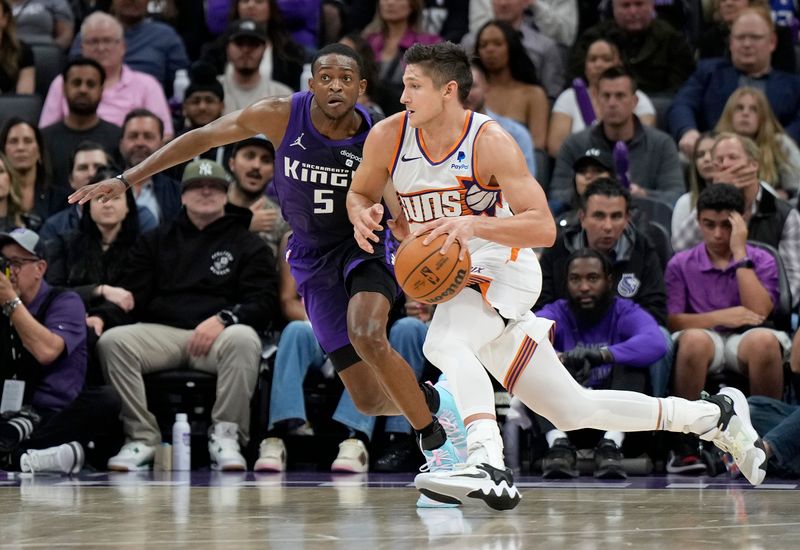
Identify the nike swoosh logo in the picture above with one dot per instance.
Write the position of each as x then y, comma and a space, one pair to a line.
406, 159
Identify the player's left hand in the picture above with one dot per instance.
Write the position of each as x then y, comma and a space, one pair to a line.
204, 336
365, 225
460, 229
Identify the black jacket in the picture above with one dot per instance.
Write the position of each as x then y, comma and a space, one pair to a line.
638, 274
181, 276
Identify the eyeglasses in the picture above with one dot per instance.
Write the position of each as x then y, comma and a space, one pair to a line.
17, 263
95, 42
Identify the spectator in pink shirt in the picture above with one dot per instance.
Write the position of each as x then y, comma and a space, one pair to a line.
124, 90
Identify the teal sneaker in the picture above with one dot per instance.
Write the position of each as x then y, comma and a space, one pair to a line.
440, 460
451, 421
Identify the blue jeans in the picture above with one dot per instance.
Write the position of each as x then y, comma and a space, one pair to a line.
661, 370
407, 336
298, 351
779, 424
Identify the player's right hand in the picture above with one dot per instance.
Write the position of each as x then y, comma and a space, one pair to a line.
366, 224
106, 189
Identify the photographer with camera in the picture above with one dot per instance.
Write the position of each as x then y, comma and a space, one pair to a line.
606, 342
47, 419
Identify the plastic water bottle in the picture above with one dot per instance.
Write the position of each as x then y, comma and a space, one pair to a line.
181, 443
305, 77
180, 84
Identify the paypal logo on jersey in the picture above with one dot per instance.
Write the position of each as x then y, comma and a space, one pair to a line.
460, 164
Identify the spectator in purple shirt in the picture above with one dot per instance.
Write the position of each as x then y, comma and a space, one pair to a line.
605, 342
720, 294
43, 346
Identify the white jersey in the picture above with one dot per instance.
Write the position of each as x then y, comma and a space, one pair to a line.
434, 188
509, 278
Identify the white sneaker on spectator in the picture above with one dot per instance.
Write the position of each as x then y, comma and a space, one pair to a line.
223, 447
271, 456
65, 459
353, 457
132, 457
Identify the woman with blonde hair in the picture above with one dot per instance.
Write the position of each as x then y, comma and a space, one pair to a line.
748, 113
10, 197
16, 57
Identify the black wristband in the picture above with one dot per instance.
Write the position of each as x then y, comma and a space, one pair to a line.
121, 177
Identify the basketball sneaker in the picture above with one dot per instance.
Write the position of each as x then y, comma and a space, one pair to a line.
223, 448
451, 421
735, 434
352, 458
66, 459
132, 457
477, 479
271, 456
443, 459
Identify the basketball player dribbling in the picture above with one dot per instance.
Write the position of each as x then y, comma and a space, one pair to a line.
445, 159
347, 292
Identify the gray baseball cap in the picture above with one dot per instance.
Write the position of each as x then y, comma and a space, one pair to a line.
27, 239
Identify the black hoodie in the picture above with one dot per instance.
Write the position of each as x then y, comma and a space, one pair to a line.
181, 276
638, 274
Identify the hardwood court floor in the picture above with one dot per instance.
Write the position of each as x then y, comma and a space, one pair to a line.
319, 511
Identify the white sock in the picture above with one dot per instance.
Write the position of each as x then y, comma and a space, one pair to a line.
552, 435
682, 415
484, 443
616, 437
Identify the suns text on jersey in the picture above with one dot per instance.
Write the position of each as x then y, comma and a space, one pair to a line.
430, 205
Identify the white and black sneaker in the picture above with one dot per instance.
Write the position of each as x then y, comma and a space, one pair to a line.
735, 434
64, 459
493, 486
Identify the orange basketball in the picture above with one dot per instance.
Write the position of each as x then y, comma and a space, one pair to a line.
427, 275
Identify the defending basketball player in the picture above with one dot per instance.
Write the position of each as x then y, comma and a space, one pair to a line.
347, 292
457, 172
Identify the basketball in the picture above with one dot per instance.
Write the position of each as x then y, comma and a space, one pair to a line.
428, 276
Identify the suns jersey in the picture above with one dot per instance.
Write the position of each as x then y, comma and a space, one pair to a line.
431, 188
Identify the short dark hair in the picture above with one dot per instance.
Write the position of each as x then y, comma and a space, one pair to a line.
142, 113
589, 253
719, 197
81, 61
608, 188
87, 146
613, 73
339, 49
443, 62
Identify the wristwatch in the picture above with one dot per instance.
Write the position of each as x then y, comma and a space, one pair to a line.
10, 306
227, 318
745, 263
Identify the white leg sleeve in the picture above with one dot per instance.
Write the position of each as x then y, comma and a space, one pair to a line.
544, 385
459, 328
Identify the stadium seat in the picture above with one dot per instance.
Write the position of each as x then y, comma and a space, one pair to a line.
48, 62
28, 107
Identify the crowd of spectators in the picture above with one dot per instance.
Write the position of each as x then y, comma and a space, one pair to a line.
663, 132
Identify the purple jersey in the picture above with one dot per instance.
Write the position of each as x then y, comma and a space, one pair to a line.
312, 176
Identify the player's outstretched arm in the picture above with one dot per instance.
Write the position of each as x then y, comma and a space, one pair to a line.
369, 181
500, 162
267, 116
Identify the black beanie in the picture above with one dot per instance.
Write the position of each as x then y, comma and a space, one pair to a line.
203, 78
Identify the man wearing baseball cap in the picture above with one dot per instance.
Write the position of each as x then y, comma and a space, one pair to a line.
242, 82
43, 361
203, 284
